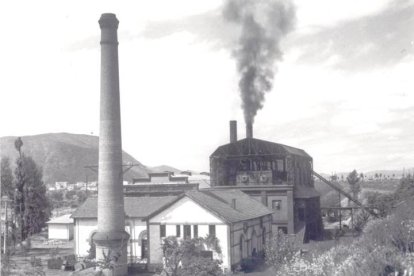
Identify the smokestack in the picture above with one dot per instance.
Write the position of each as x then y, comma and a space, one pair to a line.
233, 203
233, 131
111, 237
249, 130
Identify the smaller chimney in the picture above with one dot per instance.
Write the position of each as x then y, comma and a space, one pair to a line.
249, 130
233, 131
233, 203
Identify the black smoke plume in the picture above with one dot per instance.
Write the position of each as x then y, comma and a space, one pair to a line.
263, 24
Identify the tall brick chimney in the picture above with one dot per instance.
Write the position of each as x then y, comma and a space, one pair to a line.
233, 131
111, 237
249, 129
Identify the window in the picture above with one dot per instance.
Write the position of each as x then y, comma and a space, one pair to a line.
195, 231
283, 229
264, 236
162, 230
276, 204
212, 230
178, 231
280, 165
242, 255
301, 214
187, 231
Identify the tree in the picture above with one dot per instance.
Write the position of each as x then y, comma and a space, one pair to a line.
7, 185
382, 203
184, 257
31, 204
36, 204
20, 181
353, 180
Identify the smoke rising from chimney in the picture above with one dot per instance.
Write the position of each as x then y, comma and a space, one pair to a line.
263, 24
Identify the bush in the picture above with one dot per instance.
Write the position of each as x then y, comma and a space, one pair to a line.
280, 250
248, 264
55, 263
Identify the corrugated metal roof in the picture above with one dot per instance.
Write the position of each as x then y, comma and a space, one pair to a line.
253, 146
137, 207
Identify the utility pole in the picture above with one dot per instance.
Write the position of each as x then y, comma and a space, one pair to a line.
340, 212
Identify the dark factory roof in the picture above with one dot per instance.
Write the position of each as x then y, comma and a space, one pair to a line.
253, 146
137, 207
219, 202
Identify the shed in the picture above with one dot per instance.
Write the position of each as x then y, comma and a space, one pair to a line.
60, 228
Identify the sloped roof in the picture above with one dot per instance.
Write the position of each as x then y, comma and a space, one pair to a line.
245, 204
137, 207
253, 146
65, 219
219, 203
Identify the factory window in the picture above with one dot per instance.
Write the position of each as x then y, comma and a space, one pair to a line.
212, 230
244, 165
195, 231
283, 229
162, 230
178, 230
276, 204
187, 231
280, 165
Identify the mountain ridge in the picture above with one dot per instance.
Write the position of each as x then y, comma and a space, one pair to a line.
63, 156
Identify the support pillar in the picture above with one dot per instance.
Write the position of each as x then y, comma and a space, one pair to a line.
291, 215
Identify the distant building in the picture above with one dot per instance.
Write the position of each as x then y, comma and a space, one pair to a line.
61, 185
165, 183
60, 228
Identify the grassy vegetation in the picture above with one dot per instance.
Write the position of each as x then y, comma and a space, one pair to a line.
385, 246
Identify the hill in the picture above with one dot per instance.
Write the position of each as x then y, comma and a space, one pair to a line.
164, 168
63, 156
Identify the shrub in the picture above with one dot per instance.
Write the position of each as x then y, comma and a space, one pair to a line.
280, 250
54, 263
385, 247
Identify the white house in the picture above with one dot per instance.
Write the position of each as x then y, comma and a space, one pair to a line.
136, 210
241, 224
60, 228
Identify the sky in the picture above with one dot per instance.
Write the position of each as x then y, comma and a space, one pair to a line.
343, 92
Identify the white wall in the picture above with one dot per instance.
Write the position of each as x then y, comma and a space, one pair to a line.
187, 212
60, 231
83, 230
85, 227
254, 228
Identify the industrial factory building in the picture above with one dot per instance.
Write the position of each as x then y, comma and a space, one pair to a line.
241, 224
257, 188
277, 175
